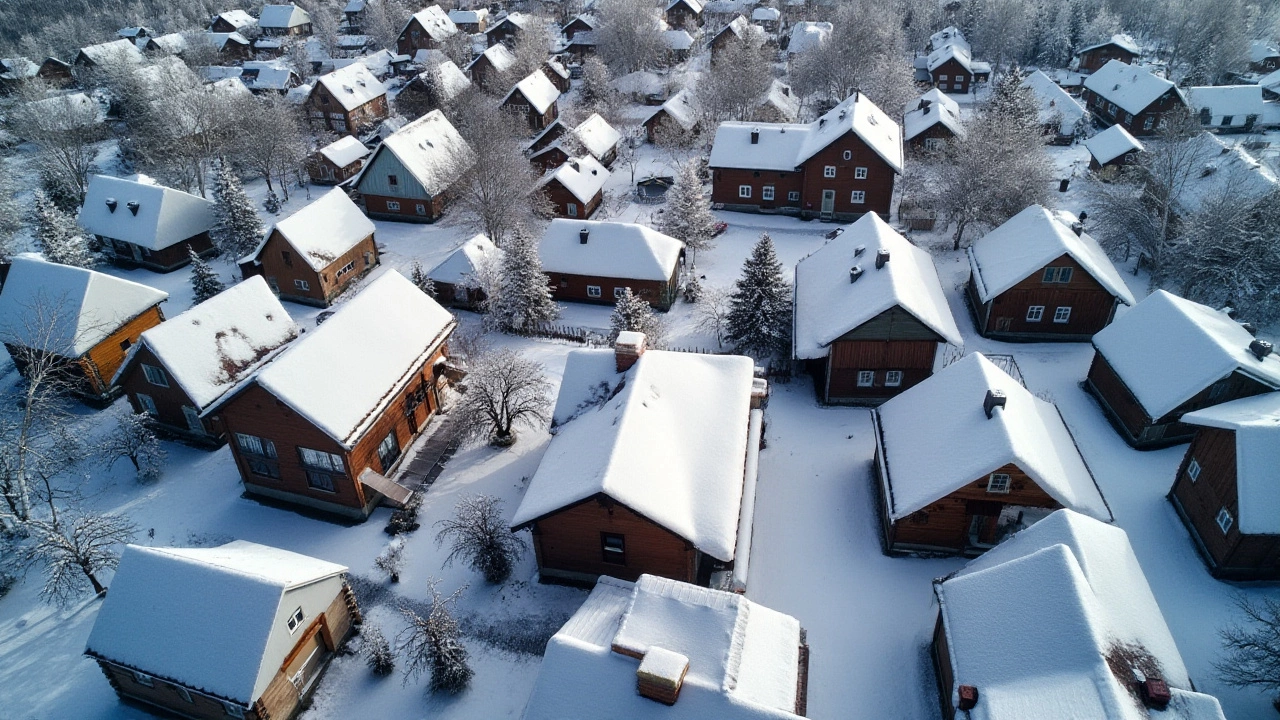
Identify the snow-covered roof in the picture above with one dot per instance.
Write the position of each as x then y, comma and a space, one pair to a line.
679, 107
582, 176
1237, 100
950, 35
428, 148
450, 80
670, 444
324, 230
963, 445
1120, 40
283, 16
1054, 623
435, 22
220, 39
613, 249
1029, 241
239, 19
143, 213
18, 68
741, 29
765, 14
68, 106
828, 305
1260, 50
205, 617
1111, 144
1227, 169
1055, 104
519, 19
1131, 88
174, 43
84, 306
1270, 81
465, 260
115, 51
1256, 423
786, 146
597, 136
345, 151
374, 344
934, 96
353, 85
471, 17
933, 113
354, 6
268, 75
806, 35
959, 53
743, 658
538, 90
1167, 349
780, 98
677, 39
499, 57
556, 67
694, 5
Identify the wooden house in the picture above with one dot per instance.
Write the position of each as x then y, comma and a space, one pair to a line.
736, 31
647, 472
576, 188
549, 136
581, 45
932, 123
283, 20
230, 46
951, 68
1039, 277
14, 72
506, 29
1112, 148
595, 262
1059, 623
1227, 108
838, 167
489, 68
179, 368
580, 23
409, 175
871, 319
1120, 94
470, 21
1169, 356
312, 256
681, 14
232, 21
776, 105
1062, 119
1264, 56
968, 456
558, 75
146, 225
349, 100
658, 649
768, 18
598, 138
456, 278
432, 88
1226, 487
85, 320
325, 425
337, 162
535, 97
236, 631
677, 114
55, 72
426, 29
115, 52
1121, 48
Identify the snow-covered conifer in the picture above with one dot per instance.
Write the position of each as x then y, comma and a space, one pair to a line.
204, 279
377, 651
633, 314
60, 240
525, 299
272, 203
238, 229
688, 216
759, 319
419, 278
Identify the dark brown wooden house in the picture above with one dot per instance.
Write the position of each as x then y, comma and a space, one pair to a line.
505, 30
143, 224
576, 188
1169, 356
55, 72
607, 501
535, 97
677, 114
1226, 487
426, 30
1040, 277
338, 161
737, 30
871, 319
409, 175
558, 75
970, 455
455, 278
349, 100
490, 66
470, 21
325, 425
232, 21
1120, 94
1112, 148
580, 23
682, 14
951, 69
595, 262
1120, 48
933, 123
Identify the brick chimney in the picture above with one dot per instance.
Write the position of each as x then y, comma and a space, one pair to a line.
968, 697
661, 675
627, 349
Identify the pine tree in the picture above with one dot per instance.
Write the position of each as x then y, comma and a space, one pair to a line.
377, 651
204, 279
688, 216
272, 203
759, 320
419, 278
524, 299
633, 314
693, 286
238, 229
59, 238
1013, 100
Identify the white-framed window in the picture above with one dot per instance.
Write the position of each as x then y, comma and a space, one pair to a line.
295, 620
892, 378
1035, 313
859, 173
301, 285
345, 269
420, 209
233, 710
828, 171
321, 460
571, 209
866, 378
619, 292
933, 144
998, 483
857, 197
155, 375
593, 291
393, 206
1148, 123
942, 77
1057, 275
1193, 470
143, 679
848, 155
766, 192
148, 405
793, 196
1225, 521
744, 191
1062, 315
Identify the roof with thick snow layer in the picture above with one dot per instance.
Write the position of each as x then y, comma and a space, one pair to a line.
326, 229
679, 107
498, 56
780, 98
282, 16
370, 347
1256, 422
765, 14
67, 310
1057, 622
828, 305
1226, 169
1056, 106
1111, 144
465, 260
786, 146
205, 617
352, 86
115, 51
345, 151
950, 35
670, 443
959, 53
965, 445
1032, 239
597, 136
163, 216
1131, 88
470, 17
1120, 40
613, 249
921, 119
450, 80
1260, 50
582, 176
429, 148
239, 19
1271, 81
1239, 101
806, 35
538, 90
435, 22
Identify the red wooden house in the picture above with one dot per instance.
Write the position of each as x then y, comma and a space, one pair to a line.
535, 97
1120, 48
337, 162
232, 21
576, 188
349, 100
409, 175
595, 262
147, 225
456, 278
934, 122
1120, 94
951, 69
682, 14
505, 30
677, 114
426, 30
580, 23
1113, 147
490, 66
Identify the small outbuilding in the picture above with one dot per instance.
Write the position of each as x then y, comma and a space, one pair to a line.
1112, 148
1121, 48
595, 262
576, 188
337, 162
535, 97
456, 278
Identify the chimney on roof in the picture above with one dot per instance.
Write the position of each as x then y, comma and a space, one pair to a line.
882, 257
1250, 328
1260, 348
968, 697
1077, 227
755, 136
111, 204
583, 234
1155, 693
994, 399
661, 675
627, 349
133, 206
857, 252
855, 272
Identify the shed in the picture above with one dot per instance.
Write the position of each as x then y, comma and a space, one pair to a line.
1227, 108
457, 277
1113, 147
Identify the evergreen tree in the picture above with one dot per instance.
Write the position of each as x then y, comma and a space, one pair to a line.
204, 279
377, 651
688, 216
10, 215
238, 230
759, 320
272, 203
633, 314
59, 238
693, 287
524, 299
419, 278
1012, 100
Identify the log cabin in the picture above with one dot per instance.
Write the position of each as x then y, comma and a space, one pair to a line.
1225, 490
871, 318
426, 29
325, 425
1061, 117
232, 21
55, 72
933, 123
347, 101
558, 74
117, 51
282, 20
598, 138
549, 158
1058, 623
1112, 148
838, 167
1168, 356
236, 631
950, 69
86, 321
677, 114
179, 368
658, 649
507, 29
737, 30
681, 14
595, 262
230, 46
143, 224
1039, 277
969, 456
582, 44
580, 23
435, 87
409, 175
651, 469
489, 68
1121, 48
470, 21
547, 137
456, 278
576, 188
313, 255
535, 97
337, 162
1120, 94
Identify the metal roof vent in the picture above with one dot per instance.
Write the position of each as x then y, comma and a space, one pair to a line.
1077, 228
882, 257
111, 204
583, 234
133, 206
994, 399
1260, 348
855, 272
857, 252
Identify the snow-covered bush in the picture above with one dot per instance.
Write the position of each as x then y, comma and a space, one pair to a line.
478, 535
378, 653
433, 644
391, 560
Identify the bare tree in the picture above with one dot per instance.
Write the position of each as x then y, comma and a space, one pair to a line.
391, 560
628, 38
433, 644
866, 51
384, 19
272, 141
532, 48
478, 535
711, 312
132, 438
66, 131
499, 187
73, 549
1227, 253
184, 132
504, 391
1252, 647
734, 85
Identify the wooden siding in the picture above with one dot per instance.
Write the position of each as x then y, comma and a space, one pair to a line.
660, 295
324, 112
681, 16
519, 103
168, 401
1108, 113
941, 652
376, 179
953, 71
163, 694
914, 358
166, 259
104, 359
1116, 399
1092, 306
324, 171
1094, 59
323, 286
936, 131
562, 199
414, 38
394, 208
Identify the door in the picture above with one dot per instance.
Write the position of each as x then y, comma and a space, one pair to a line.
193, 420
828, 203
1003, 324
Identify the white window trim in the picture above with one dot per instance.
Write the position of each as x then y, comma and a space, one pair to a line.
858, 197
793, 196
744, 191
942, 77
593, 291
1061, 317
1035, 313
1193, 470
302, 285
848, 154
618, 292
828, 171
766, 192
393, 205
859, 173
999, 483
148, 404
155, 375
866, 378
293, 622
1225, 520
889, 378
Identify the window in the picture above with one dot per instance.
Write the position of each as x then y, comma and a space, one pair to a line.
234, 711
593, 291
337, 116
828, 171
793, 196
301, 285
860, 173
766, 192
1057, 275
1146, 124
998, 483
571, 209
345, 269
320, 481
125, 344
155, 375
148, 405
287, 257
389, 451
744, 191
866, 378
295, 620
143, 679
1225, 521
857, 197
942, 77
619, 292
1226, 120
892, 378
1193, 470
1062, 315
393, 180
393, 206
1035, 313
259, 454
933, 144
848, 155
420, 209
613, 548
321, 460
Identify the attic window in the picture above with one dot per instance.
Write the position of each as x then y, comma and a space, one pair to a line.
1225, 520
295, 620
1193, 470
998, 483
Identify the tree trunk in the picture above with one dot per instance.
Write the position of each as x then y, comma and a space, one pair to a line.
134, 459
98, 589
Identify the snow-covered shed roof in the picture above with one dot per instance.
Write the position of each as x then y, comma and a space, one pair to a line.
556, 67
499, 57
743, 658
465, 260
741, 29
679, 107
613, 249
1256, 423
1120, 40
18, 68
283, 16
538, 90
828, 305
173, 43
85, 306
930, 113
1111, 144
435, 22
428, 148
1227, 169
1270, 81
1237, 100
354, 6
950, 35
786, 146
1167, 349
353, 85
1131, 88
597, 136
219, 40
677, 40
670, 444
239, 19
765, 14
780, 99
959, 53
370, 347
450, 80
582, 176
1028, 241
1055, 103
1054, 623
934, 96
325, 229
964, 445
143, 213
204, 617
115, 51
806, 35
470, 17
